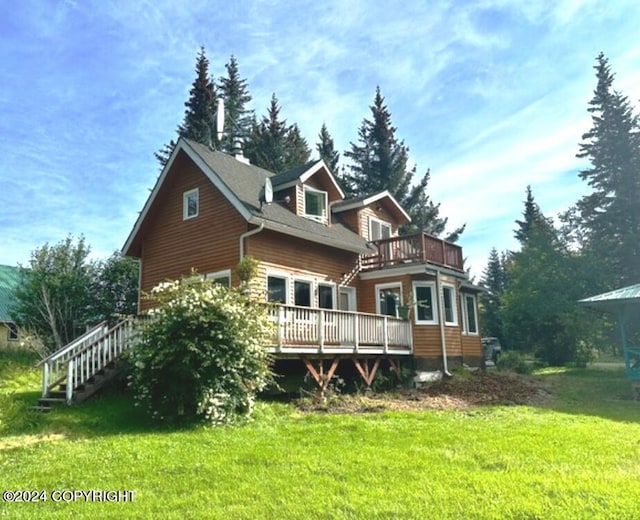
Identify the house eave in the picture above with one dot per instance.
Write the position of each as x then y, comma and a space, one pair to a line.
400, 270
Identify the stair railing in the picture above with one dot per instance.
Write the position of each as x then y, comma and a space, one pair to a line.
54, 366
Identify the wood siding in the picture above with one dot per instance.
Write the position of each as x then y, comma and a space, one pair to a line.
172, 246
380, 214
297, 257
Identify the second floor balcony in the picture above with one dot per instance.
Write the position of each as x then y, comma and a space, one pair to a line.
419, 248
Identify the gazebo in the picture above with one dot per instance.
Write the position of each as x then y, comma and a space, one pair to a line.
625, 305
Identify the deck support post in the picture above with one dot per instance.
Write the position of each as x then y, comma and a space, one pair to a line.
321, 379
395, 366
368, 374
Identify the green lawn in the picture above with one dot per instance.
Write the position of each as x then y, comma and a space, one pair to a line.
576, 457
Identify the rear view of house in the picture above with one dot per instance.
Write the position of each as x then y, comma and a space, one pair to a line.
348, 285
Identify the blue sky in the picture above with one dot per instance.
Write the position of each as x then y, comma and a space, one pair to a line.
491, 95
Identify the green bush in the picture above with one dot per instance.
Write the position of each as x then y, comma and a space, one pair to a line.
202, 354
513, 361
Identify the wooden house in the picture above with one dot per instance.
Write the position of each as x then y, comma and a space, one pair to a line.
347, 285
9, 331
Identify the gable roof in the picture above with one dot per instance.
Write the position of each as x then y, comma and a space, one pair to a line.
301, 174
361, 202
240, 184
9, 280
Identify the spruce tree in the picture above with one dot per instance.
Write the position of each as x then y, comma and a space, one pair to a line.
327, 151
379, 161
532, 215
494, 282
274, 145
238, 118
199, 115
611, 212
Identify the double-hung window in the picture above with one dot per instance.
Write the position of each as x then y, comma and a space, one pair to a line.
277, 289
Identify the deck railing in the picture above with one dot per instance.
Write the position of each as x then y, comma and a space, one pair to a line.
313, 330
419, 248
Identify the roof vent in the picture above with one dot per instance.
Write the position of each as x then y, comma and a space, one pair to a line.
237, 150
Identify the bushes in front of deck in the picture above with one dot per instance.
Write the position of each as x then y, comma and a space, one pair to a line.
201, 356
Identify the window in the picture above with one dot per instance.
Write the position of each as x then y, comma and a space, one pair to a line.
302, 293
325, 296
190, 204
449, 301
469, 307
315, 204
347, 299
389, 298
426, 311
379, 229
220, 277
277, 289
12, 332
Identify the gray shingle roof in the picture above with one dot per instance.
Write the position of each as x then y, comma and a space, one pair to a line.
292, 174
246, 181
9, 280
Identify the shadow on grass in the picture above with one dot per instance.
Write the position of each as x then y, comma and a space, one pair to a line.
599, 392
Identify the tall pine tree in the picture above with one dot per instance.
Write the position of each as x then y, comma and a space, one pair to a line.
380, 162
238, 118
494, 282
274, 145
199, 115
326, 149
611, 213
532, 216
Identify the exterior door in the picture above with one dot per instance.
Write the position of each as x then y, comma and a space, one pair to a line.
347, 299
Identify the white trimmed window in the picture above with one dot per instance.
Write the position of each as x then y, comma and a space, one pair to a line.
378, 229
425, 307
190, 204
277, 289
220, 277
389, 298
449, 304
326, 296
469, 306
302, 293
315, 204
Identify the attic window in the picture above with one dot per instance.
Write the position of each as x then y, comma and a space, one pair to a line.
190, 204
315, 204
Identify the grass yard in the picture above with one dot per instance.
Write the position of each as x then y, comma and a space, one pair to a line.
578, 456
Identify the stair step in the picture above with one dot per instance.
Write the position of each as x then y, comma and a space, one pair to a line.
43, 409
52, 400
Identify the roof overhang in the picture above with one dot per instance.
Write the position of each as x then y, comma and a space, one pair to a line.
385, 196
182, 146
304, 176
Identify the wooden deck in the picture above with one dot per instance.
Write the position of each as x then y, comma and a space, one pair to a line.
419, 248
309, 331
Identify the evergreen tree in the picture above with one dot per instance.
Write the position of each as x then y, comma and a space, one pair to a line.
238, 118
326, 150
380, 162
531, 214
494, 282
199, 116
611, 213
274, 145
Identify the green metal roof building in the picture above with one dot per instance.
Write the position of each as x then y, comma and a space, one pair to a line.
625, 304
9, 280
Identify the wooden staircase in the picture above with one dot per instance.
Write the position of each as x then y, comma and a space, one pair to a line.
78, 370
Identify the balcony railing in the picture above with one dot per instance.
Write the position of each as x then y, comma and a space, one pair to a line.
305, 330
419, 248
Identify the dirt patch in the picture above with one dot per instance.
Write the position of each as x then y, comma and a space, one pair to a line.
459, 392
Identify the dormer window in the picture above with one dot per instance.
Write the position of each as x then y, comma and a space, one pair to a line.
379, 229
190, 204
315, 204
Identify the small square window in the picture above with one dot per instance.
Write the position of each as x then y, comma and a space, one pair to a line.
315, 204
190, 204
277, 289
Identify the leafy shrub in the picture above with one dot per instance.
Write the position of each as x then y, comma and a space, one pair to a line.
202, 355
513, 361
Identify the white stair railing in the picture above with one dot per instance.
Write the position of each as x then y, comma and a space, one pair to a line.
54, 366
95, 356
